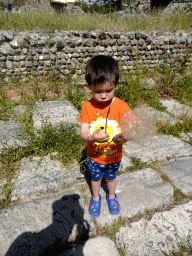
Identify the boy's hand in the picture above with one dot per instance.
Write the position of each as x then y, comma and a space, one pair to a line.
99, 136
119, 139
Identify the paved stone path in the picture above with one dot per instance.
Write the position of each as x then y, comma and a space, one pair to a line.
166, 231
45, 222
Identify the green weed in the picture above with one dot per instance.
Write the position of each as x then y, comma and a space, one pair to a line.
129, 91
122, 251
175, 82
179, 197
7, 189
155, 166
183, 126
170, 82
137, 164
132, 92
77, 95
114, 228
5, 106
183, 90
63, 139
185, 250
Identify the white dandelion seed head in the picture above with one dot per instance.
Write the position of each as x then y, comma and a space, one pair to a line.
138, 125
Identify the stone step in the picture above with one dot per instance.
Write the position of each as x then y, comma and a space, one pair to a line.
54, 112
53, 220
44, 224
180, 172
158, 148
41, 175
164, 233
176, 108
137, 192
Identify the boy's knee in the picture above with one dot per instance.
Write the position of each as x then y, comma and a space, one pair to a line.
97, 180
109, 180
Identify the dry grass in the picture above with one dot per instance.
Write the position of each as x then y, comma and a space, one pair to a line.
114, 21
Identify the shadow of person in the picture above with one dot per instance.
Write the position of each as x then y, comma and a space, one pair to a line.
53, 240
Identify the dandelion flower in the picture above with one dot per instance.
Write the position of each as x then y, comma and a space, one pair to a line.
137, 125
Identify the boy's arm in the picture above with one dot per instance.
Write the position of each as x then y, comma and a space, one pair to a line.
84, 132
95, 137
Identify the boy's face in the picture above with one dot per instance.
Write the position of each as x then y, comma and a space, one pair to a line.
103, 93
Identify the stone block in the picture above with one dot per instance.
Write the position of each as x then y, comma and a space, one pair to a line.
164, 233
55, 112
137, 192
180, 172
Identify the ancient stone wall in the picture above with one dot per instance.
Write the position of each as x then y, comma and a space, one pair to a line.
67, 52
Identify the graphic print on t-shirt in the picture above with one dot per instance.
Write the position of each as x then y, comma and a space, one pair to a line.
112, 129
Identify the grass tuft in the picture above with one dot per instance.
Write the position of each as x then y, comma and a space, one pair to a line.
137, 164
39, 20
182, 126
114, 228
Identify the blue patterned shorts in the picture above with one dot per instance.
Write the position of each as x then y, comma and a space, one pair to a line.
99, 170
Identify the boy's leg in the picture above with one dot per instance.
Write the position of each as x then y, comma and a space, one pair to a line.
111, 184
113, 203
110, 175
96, 175
96, 185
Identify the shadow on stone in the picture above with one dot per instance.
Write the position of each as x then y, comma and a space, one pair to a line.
68, 224
158, 3
84, 169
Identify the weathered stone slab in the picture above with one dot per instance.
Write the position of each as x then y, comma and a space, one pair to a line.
137, 192
180, 172
163, 233
43, 225
40, 175
158, 148
10, 135
176, 108
93, 247
186, 136
2, 183
157, 115
55, 112
100, 246
125, 162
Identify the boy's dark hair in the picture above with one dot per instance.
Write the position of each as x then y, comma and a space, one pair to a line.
100, 69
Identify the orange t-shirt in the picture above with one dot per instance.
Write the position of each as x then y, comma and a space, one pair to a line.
94, 114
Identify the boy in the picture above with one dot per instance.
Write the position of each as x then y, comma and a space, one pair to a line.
101, 128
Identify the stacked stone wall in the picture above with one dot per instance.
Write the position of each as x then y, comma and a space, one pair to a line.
66, 52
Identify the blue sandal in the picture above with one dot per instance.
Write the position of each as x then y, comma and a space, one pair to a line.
113, 204
95, 207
